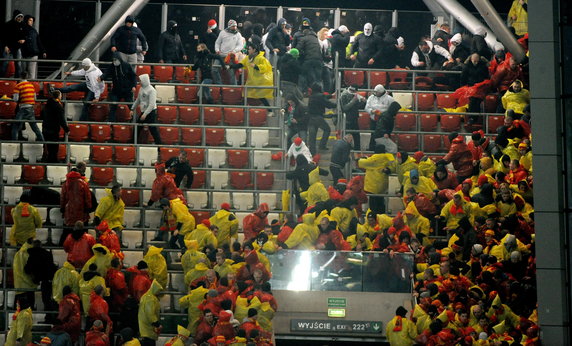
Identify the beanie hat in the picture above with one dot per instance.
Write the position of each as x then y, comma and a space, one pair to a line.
379, 89
129, 19
231, 23
400, 41
212, 24
298, 141
342, 181
343, 28
225, 206
305, 22
207, 223
86, 62
294, 52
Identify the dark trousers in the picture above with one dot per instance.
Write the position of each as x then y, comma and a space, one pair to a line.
148, 342
318, 122
311, 73
52, 149
352, 124
377, 204
337, 173
89, 96
116, 96
150, 119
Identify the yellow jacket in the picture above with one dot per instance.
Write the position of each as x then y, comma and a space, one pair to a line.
192, 256
199, 270
224, 269
103, 262
227, 228
404, 167
271, 246
181, 213
304, 235
203, 235
179, 339
191, 302
24, 226
265, 316
343, 216
404, 337
520, 24
526, 161
149, 311
21, 279
516, 100
261, 76
375, 180
86, 287
427, 168
424, 186
360, 236
21, 328
111, 210
157, 265
65, 276
452, 220
416, 222
317, 191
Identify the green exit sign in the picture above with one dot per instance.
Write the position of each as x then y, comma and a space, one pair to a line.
337, 302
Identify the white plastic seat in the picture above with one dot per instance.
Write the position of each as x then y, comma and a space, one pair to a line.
32, 152
99, 194
126, 176
364, 141
28, 134
132, 238
56, 174
243, 200
268, 198
259, 138
57, 234
165, 93
10, 151
60, 256
216, 157
146, 195
79, 153
73, 110
198, 199
220, 197
236, 137
262, 159
219, 179
404, 99
153, 218
132, 257
394, 185
43, 211
394, 205
165, 303
147, 156
147, 177
273, 216
131, 218
56, 217
178, 282
12, 194
42, 235
11, 173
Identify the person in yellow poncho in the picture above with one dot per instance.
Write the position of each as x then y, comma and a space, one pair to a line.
525, 156
21, 278
88, 281
101, 258
192, 256
184, 219
516, 98
493, 247
227, 225
111, 208
417, 223
259, 71
157, 265
404, 163
304, 235
502, 313
203, 235
455, 210
21, 328
191, 302
344, 213
26, 219
181, 338
223, 265
359, 240
518, 16
198, 271
317, 191
400, 331
65, 276
148, 315
421, 184
377, 169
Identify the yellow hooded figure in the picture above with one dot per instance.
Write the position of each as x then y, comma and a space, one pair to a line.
343, 215
259, 71
241, 308
407, 164
191, 302
157, 265
317, 191
512, 149
101, 257
400, 330
65, 276
203, 235
427, 168
87, 283
265, 316
304, 235
516, 98
111, 210
422, 185
418, 223
199, 270
376, 181
361, 237
455, 210
148, 315
181, 213
180, 339
192, 256
26, 220
503, 313
21, 329
224, 269
423, 319
518, 17
227, 225
21, 278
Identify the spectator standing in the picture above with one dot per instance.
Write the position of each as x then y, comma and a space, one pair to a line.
147, 101
23, 280
229, 44
299, 148
442, 36
25, 95
327, 59
341, 152
351, 102
366, 49
479, 45
170, 49
75, 199
69, 313
518, 16
340, 40
124, 41
426, 56
204, 62
54, 119
164, 186
382, 109
124, 82
259, 73
392, 50
255, 222
507, 73
148, 316
290, 70
78, 245
516, 98
21, 327
475, 70
277, 41
32, 47
26, 220
377, 169
311, 54
12, 37
210, 36
180, 167
317, 104
296, 118
111, 209
460, 155
40, 266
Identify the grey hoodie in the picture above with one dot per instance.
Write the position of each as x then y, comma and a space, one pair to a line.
147, 97
91, 79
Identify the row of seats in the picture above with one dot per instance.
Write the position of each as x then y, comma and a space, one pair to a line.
396, 80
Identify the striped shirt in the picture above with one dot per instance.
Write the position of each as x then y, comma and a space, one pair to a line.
26, 93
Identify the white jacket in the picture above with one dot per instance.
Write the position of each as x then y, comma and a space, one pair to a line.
303, 150
147, 98
228, 42
91, 76
375, 103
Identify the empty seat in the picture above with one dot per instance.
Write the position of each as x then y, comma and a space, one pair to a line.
132, 239
73, 110
79, 153
7, 87
407, 142
236, 137
56, 174
126, 176
429, 122
124, 155
241, 180
268, 198
262, 159
123, 133
450, 122
163, 73
398, 80
60, 257
259, 138
212, 115
132, 258
233, 116
189, 115
32, 152
102, 176
446, 101
364, 121
257, 117
62, 153
10, 151
446, 142
166, 114
123, 114
243, 200
431, 143
98, 111
491, 103
143, 69
199, 179
219, 179
495, 121
354, 77
131, 218
102, 154
130, 197
11, 173
198, 199
404, 99
231, 96
165, 93
7, 109
191, 136
29, 135
99, 194
56, 217
33, 174
238, 158
12, 193
78, 132
196, 157
215, 94
187, 94
364, 141
405, 121
394, 205
200, 216
168, 153
147, 156
216, 157
377, 77
264, 181
423, 83
169, 135
147, 177
425, 102
219, 198
214, 137
153, 218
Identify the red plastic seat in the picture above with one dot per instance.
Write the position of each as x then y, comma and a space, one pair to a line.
123, 114
8, 219
364, 121
214, 137
200, 216
143, 69
130, 197
98, 112
237, 158
100, 133
232, 96
491, 102
122, 133
46, 90
196, 157
450, 122
102, 154
257, 117
125, 155
7, 87
78, 132
431, 143
240, 180
425, 102
62, 152
446, 142
102, 176
167, 114
181, 76
169, 135
163, 73
495, 121
199, 179
407, 142
212, 115
405, 121
216, 94
187, 94
377, 77
168, 153
37, 87
264, 181
38, 109
232, 116
33, 174
189, 115
446, 101
423, 83
191, 136
429, 122
7, 109
398, 81
354, 77
74, 95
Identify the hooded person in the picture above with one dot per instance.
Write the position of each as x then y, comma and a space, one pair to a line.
164, 186
366, 48
421, 184
75, 199
403, 163
400, 330
203, 234
170, 48
108, 238
192, 256
377, 169
124, 81
317, 192
111, 208
101, 258
65, 276
78, 246
87, 283
339, 41
148, 316
139, 280
444, 179
460, 156
223, 266
417, 223
69, 313
255, 222
304, 235
147, 102
191, 302
183, 334
20, 332
297, 148
185, 220
344, 213
23, 280
382, 109
227, 225
456, 209
125, 38
278, 39
157, 265
26, 219
259, 74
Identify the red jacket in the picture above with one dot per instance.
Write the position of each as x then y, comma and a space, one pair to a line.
79, 251
335, 237
223, 326
75, 199
164, 186
255, 222
204, 332
461, 157
110, 240
95, 337
514, 176
139, 283
98, 308
115, 280
252, 263
450, 182
478, 150
505, 76
69, 312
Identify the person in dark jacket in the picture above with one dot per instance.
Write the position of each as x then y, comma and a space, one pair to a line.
179, 165
393, 46
351, 102
170, 49
32, 48
296, 117
385, 124
124, 83
124, 41
290, 70
12, 37
442, 36
204, 60
306, 24
41, 268
311, 55
317, 104
339, 41
340, 157
300, 178
210, 36
475, 70
479, 45
278, 40
53, 119
366, 49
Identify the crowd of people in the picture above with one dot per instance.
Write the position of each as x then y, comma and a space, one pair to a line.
468, 217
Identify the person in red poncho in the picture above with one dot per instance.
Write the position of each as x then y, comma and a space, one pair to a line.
140, 282
330, 237
224, 326
461, 157
78, 246
164, 186
246, 272
205, 328
251, 322
506, 74
69, 313
98, 308
115, 280
109, 239
75, 199
517, 173
478, 144
255, 222
96, 336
